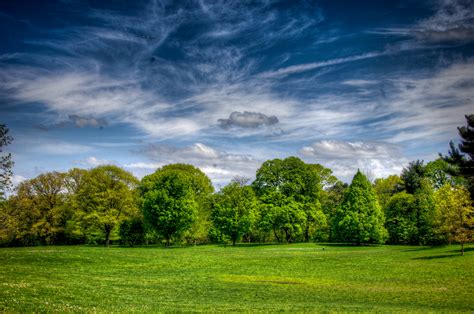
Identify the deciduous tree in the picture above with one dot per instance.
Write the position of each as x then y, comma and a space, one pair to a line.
454, 214
169, 202
234, 210
293, 188
105, 197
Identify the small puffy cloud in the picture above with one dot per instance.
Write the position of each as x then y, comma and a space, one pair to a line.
17, 179
247, 119
143, 165
344, 158
92, 161
87, 121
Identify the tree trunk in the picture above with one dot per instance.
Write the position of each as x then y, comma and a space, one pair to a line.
107, 236
306, 234
168, 241
288, 236
276, 236
233, 241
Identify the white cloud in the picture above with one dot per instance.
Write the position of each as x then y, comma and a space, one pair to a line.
144, 165
344, 158
94, 161
220, 166
315, 65
453, 21
55, 147
17, 179
359, 82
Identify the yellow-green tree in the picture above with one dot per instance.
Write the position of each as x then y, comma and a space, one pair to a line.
454, 214
105, 196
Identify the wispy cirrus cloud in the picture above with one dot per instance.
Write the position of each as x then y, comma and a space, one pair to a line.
452, 22
316, 65
273, 75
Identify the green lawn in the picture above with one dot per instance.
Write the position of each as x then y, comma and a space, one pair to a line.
301, 277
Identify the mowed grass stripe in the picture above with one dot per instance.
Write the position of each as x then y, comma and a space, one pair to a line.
245, 278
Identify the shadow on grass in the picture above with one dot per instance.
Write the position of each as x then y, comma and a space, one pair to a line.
422, 248
466, 249
348, 244
435, 257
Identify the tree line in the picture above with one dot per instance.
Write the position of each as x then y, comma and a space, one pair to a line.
289, 201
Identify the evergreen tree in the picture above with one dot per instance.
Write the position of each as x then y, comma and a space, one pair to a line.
360, 219
6, 162
412, 176
463, 155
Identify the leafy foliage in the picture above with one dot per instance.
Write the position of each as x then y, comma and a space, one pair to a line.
290, 191
104, 198
132, 231
387, 187
234, 211
169, 203
360, 219
454, 214
401, 219
38, 211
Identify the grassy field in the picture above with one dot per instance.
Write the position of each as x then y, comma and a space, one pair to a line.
301, 277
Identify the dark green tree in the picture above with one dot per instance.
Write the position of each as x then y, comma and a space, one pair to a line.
412, 176
424, 207
234, 210
400, 215
6, 162
462, 156
331, 199
132, 231
359, 219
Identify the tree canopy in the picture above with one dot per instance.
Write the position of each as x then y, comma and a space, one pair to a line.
169, 199
359, 219
104, 198
234, 211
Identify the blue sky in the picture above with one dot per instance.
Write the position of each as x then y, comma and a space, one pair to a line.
226, 85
